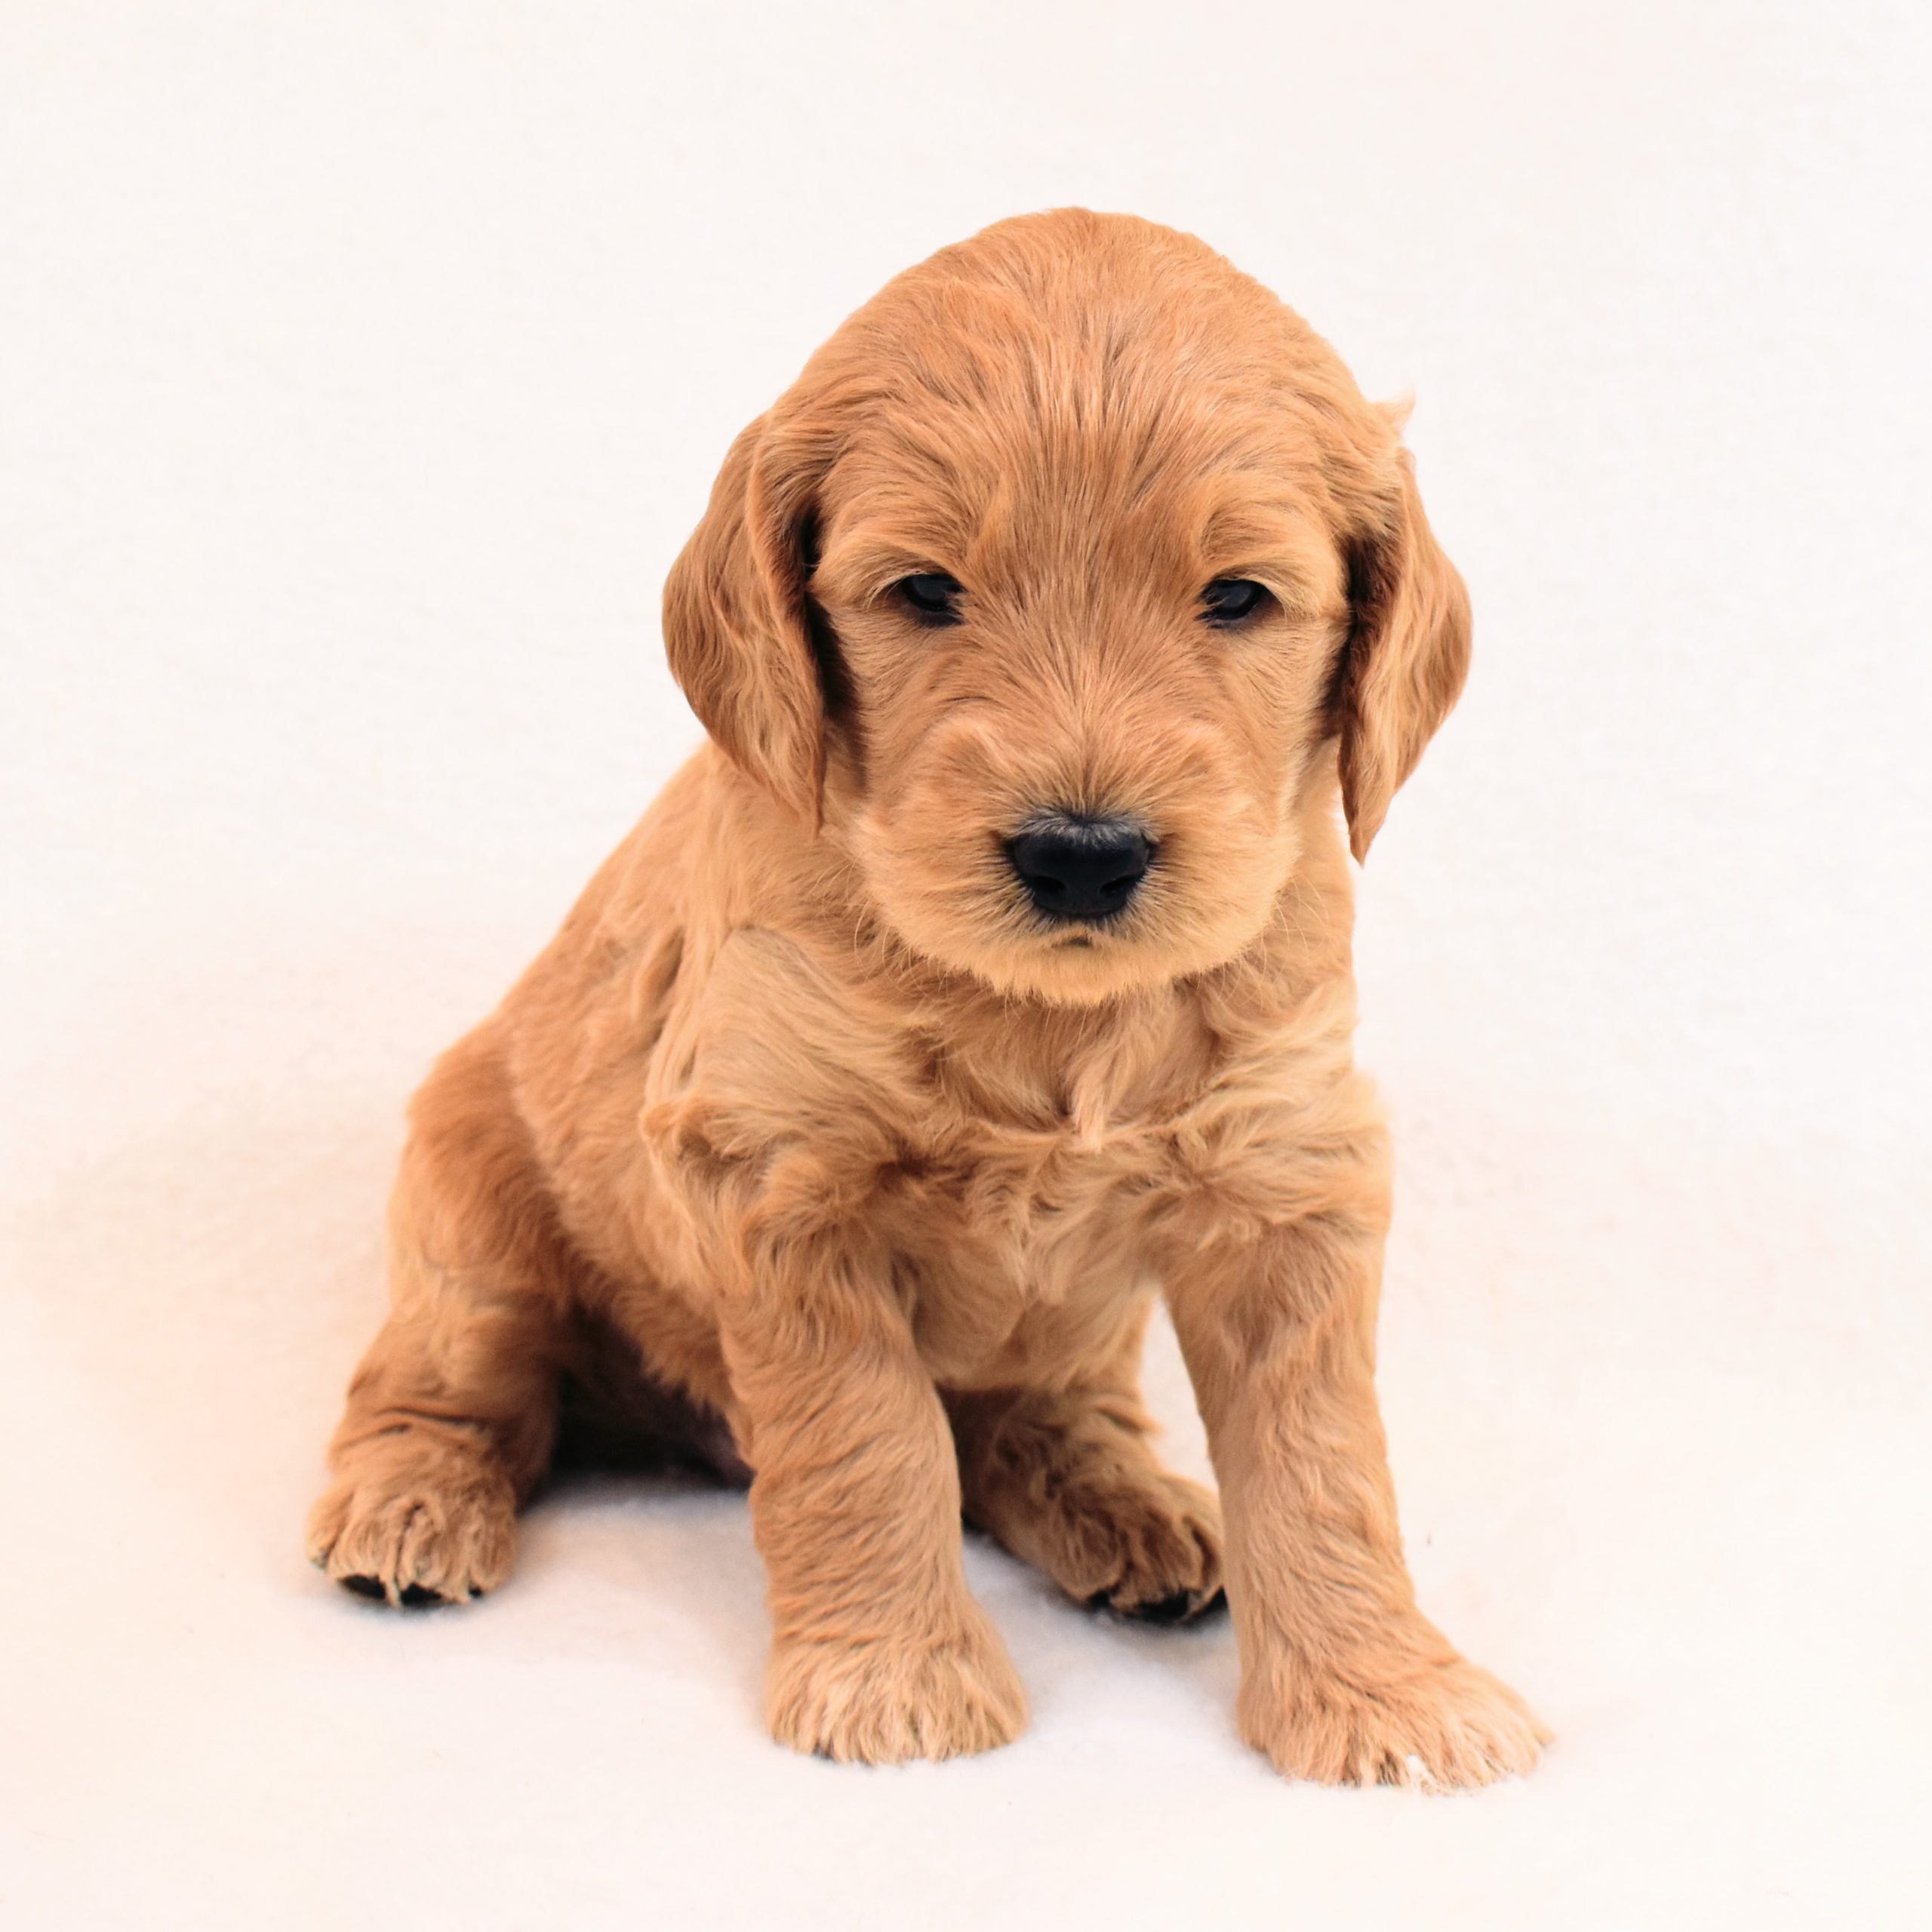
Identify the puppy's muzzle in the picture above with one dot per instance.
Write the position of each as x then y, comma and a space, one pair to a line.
1076, 868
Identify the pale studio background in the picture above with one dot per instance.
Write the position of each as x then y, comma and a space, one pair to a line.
361, 369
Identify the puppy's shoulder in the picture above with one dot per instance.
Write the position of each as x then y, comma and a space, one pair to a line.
779, 1029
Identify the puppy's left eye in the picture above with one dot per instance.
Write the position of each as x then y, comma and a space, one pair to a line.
933, 596
1229, 599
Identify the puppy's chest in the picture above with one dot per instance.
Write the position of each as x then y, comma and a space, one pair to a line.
995, 1194
1002, 1224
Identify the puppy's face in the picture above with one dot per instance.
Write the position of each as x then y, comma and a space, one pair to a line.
1050, 586
1087, 661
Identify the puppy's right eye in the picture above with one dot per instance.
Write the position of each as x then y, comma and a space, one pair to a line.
1228, 600
932, 597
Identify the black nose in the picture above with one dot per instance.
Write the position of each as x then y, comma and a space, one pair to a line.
1080, 868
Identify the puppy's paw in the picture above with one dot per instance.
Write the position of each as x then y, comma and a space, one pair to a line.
881, 1701
1442, 1724
416, 1530
1144, 1544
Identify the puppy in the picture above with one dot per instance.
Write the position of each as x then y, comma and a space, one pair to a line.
987, 972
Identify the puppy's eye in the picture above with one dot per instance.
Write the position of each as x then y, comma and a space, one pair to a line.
933, 597
1229, 599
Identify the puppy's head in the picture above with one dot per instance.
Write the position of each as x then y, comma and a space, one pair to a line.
1067, 569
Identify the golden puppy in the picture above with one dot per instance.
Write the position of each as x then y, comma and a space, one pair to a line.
989, 968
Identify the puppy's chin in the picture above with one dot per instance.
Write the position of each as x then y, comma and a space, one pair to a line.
1079, 969
1075, 965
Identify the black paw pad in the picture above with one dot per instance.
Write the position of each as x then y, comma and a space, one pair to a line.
1163, 1610
414, 1597
1181, 1608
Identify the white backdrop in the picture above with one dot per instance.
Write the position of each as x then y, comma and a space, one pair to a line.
361, 369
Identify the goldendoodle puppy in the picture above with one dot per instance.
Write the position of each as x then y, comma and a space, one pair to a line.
1057, 633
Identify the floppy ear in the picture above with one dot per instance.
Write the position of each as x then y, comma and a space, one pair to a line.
737, 628
1407, 653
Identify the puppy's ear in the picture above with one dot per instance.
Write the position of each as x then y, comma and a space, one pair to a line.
1408, 652
737, 626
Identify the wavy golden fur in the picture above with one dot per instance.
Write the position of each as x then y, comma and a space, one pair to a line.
810, 1148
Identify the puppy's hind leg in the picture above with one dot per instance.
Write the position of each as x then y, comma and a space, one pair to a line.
1065, 1478
452, 1413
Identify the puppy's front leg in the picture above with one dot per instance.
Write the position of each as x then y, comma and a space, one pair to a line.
1342, 1678
879, 1653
